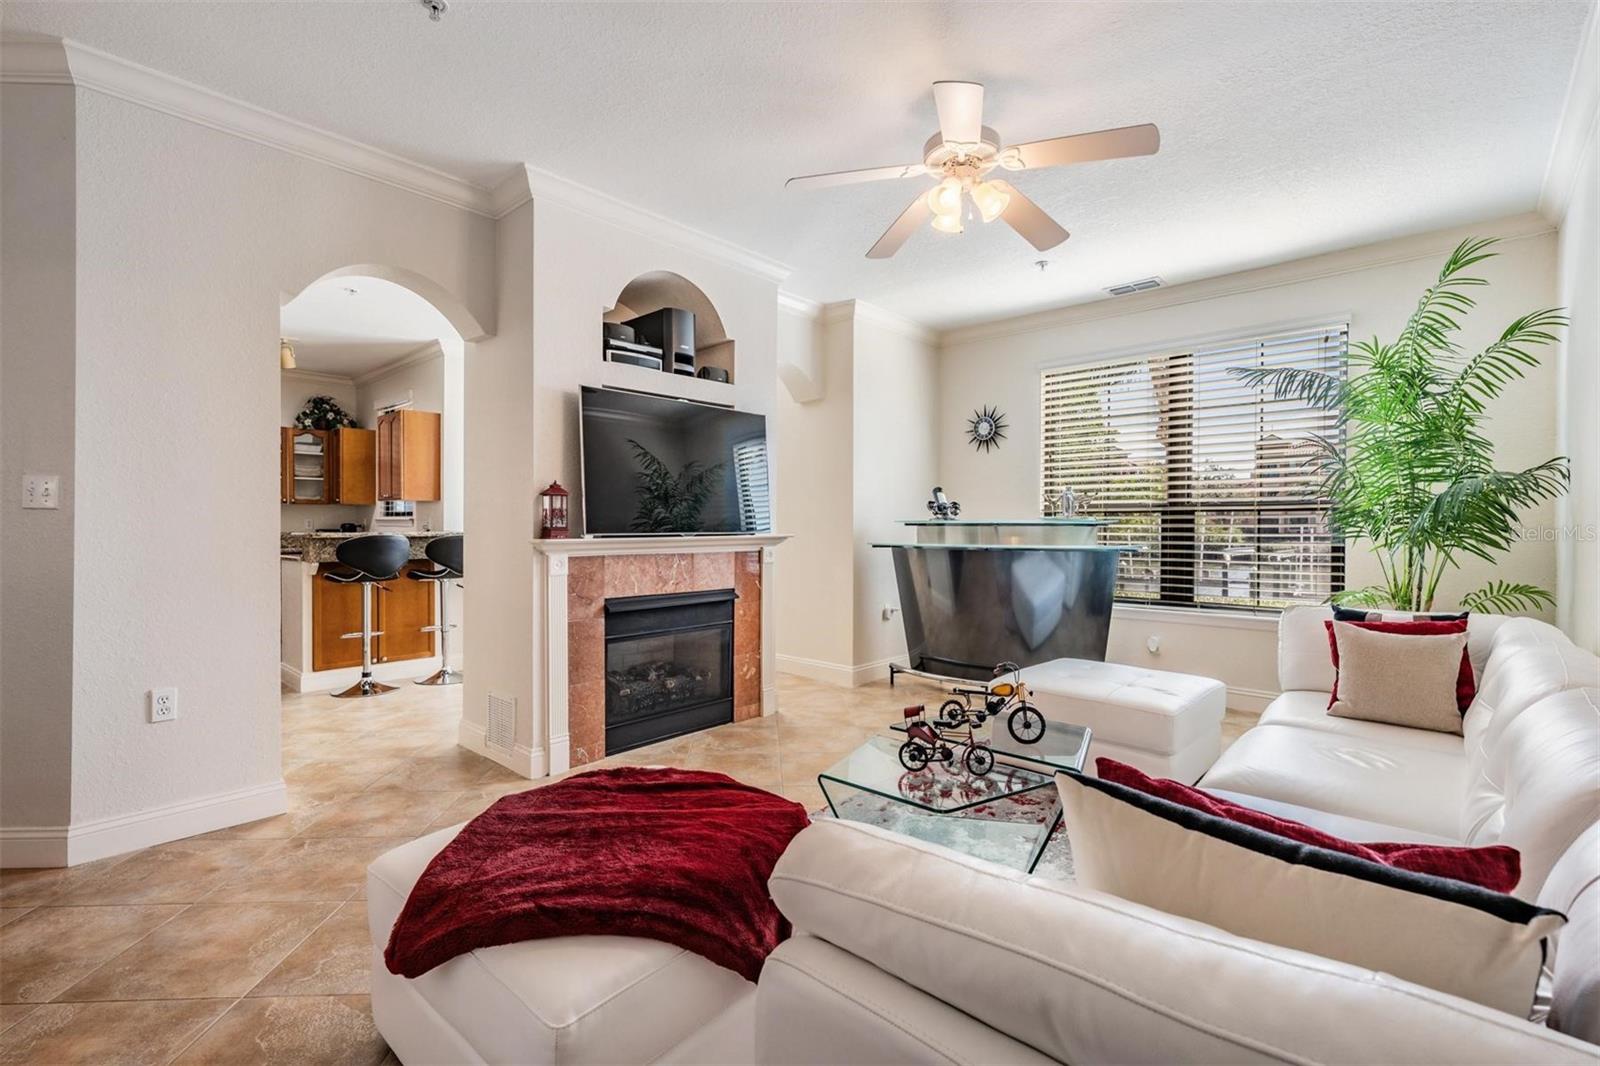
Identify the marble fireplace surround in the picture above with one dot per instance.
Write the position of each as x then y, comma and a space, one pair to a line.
582, 573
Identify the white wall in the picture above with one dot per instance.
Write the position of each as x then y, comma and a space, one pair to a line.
815, 448
1377, 287
188, 240
1578, 556
896, 464
297, 388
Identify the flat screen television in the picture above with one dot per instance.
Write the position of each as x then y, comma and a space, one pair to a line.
654, 465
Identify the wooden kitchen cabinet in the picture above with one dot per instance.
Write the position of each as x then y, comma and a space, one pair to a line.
408, 455
307, 468
400, 608
355, 455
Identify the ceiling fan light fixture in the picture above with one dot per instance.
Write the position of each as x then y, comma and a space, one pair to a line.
947, 223
990, 201
944, 199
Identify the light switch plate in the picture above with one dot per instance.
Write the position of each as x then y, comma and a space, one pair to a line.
41, 492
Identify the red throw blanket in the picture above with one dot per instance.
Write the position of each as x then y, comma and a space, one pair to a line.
680, 856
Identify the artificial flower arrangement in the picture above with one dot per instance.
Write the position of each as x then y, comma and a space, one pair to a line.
323, 412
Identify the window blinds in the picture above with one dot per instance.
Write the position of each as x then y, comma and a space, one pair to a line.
750, 474
1215, 478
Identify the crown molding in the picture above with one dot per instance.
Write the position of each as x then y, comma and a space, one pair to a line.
859, 310
51, 61
531, 183
318, 377
799, 305
1293, 272
425, 352
1576, 130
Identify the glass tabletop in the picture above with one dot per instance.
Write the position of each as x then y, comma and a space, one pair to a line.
875, 767
1063, 746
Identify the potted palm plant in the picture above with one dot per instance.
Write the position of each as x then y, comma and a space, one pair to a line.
1414, 475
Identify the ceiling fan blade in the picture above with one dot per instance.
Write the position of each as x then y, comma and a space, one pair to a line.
901, 229
960, 105
850, 177
1083, 148
1029, 219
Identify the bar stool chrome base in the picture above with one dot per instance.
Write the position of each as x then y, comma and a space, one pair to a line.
365, 687
445, 675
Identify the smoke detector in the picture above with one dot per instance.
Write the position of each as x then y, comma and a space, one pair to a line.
1142, 285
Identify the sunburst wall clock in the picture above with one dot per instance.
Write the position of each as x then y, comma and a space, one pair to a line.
986, 428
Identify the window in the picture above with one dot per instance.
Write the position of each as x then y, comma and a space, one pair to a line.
750, 474
1215, 478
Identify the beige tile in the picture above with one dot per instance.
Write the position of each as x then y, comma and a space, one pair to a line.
308, 868
320, 1029
389, 812
108, 1034
54, 947
351, 774
210, 950
11, 914
335, 960
19, 888
12, 1013
180, 872
453, 772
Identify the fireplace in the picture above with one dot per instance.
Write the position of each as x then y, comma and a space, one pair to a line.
668, 666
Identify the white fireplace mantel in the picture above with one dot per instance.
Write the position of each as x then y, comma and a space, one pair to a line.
556, 552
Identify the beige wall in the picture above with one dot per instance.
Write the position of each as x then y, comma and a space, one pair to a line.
38, 380
1375, 287
188, 240
1578, 526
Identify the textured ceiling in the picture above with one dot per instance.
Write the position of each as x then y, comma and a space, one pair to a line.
1287, 128
352, 325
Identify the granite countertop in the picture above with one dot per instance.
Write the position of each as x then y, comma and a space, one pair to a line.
314, 547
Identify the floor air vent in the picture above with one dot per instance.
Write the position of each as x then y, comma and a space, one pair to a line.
501, 729
1141, 285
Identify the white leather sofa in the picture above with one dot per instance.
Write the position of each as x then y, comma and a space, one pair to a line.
906, 952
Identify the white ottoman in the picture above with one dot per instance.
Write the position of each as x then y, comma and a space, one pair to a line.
580, 999
1168, 725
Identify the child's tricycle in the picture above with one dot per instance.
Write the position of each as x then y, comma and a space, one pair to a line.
1023, 721
925, 743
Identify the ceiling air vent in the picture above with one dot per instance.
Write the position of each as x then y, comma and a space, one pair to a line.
1135, 286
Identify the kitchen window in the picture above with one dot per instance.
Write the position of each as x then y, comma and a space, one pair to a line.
1215, 478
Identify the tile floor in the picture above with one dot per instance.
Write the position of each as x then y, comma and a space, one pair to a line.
250, 945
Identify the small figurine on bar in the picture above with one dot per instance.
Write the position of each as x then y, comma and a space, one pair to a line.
1024, 721
941, 507
928, 742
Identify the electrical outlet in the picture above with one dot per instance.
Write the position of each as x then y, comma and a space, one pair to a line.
40, 491
308, 523
1153, 645
163, 704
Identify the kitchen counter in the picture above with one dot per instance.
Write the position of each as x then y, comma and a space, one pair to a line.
320, 547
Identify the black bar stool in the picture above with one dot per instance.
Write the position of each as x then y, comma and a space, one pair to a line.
445, 554
370, 560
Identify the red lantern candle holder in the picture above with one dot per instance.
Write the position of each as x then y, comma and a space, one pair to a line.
553, 521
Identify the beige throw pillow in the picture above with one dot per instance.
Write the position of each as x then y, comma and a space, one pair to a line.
1401, 679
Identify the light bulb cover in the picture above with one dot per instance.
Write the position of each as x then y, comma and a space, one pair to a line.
947, 223
286, 355
944, 199
990, 201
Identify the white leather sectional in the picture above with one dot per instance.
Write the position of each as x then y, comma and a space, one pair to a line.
908, 952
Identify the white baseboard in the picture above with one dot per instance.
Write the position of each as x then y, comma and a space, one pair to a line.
837, 673
1249, 700
521, 759
70, 845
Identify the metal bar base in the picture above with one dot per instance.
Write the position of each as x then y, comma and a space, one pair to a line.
445, 675
365, 687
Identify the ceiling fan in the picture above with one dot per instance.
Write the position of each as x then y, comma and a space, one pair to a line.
963, 153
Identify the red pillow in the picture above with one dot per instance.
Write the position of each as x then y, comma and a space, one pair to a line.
1466, 686
1496, 867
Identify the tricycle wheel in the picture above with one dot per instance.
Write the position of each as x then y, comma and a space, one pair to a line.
1026, 724
979, 760
953, 711
912, 756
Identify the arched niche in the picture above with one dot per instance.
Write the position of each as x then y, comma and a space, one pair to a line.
662, 288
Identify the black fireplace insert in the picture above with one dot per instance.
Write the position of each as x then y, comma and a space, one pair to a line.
669, 666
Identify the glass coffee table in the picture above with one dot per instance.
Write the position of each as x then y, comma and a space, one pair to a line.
1005, 816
